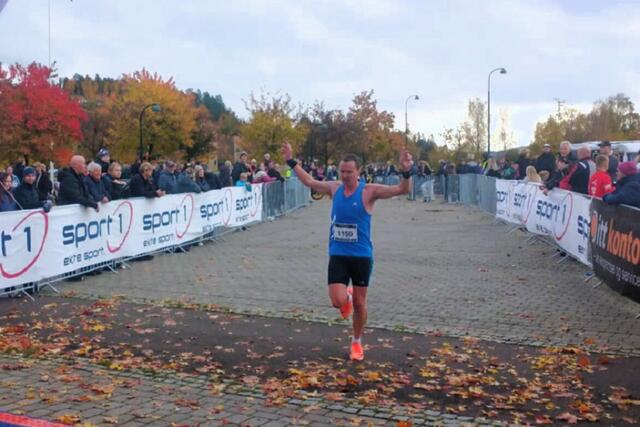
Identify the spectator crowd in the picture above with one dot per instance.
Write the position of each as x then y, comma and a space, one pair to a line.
600, 174
102, 180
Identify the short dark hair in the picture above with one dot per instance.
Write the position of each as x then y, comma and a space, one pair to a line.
352, 158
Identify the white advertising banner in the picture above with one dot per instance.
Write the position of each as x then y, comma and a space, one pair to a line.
561, 215
502, 199
35, 245
513, 200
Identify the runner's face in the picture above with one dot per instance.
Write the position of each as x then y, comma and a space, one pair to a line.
348, 172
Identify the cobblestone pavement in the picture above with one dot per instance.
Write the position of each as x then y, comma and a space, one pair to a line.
83, 394
438, 267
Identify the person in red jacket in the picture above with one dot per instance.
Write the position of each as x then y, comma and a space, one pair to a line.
600, 183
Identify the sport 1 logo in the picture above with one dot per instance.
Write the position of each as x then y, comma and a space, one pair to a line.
228, 200
214, 211
257, 198
563, 216
24, 242
187, 206
114, 226
532, 192
123, 212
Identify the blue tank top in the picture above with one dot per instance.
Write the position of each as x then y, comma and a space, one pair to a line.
350, 232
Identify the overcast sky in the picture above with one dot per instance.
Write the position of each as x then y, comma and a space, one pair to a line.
577, 51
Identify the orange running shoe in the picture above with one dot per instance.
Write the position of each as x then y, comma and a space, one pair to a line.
347, 309
357, 352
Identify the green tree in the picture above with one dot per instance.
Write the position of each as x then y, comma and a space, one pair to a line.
273, 119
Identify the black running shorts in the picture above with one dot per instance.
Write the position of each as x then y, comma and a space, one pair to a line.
343, 269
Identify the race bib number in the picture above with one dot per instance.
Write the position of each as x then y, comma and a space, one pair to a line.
345, 233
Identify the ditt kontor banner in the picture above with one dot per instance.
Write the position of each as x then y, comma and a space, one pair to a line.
615, 247
35, 245
559, 214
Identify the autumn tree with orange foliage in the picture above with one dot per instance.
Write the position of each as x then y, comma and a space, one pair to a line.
97, 96
168, 133
38, 120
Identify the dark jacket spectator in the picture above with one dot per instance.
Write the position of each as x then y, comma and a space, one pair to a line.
225, 175
134, 169
558, 175
18, 169
43, 182
239, 167
566, 152
579, 180
627, 190
273, 172
474, 167
157, 169
7, 201
613, 167
95, 185
117, 188
26, 194
103, 159
72, 188
462, 168
141, 185
212, 180
187, 185
523, 162
168, 181
204, 185
546, 161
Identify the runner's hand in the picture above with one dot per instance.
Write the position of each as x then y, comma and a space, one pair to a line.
287, 151
406, 160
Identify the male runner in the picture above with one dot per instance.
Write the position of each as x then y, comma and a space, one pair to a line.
350, 247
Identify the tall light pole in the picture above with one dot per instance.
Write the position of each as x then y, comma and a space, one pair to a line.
406, 121
502, 71
154, 107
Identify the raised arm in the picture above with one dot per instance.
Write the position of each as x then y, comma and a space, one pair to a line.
319, 186
403, 187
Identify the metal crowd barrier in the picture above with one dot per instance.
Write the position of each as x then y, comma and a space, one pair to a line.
386, 180
296, 195
422, 188
486, 192
480, 191
278, 198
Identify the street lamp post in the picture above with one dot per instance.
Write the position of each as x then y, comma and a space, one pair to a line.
154, 107
406, 122
502, 71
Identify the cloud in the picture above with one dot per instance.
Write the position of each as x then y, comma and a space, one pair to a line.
330, 49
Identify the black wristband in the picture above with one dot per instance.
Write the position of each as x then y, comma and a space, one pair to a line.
292, 163
406, 174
